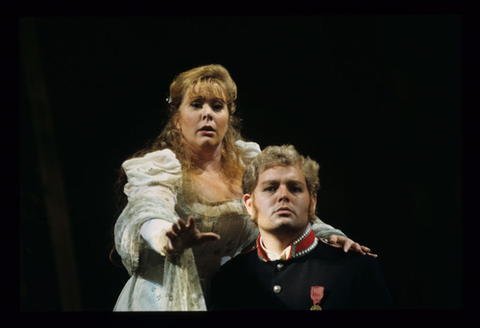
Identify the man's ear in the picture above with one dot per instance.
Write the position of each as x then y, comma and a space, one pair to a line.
247, 200
314, 202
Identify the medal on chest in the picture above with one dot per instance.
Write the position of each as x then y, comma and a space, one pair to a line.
316, 294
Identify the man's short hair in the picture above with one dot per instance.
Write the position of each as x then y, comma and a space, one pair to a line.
285, 155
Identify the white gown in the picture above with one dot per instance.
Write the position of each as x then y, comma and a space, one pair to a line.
156, 200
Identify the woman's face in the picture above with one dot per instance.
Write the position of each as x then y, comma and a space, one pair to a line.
203, 120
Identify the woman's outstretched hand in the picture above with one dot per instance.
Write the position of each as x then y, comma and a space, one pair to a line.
348, 244
185, 235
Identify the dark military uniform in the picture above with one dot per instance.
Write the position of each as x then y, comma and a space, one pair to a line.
251, 282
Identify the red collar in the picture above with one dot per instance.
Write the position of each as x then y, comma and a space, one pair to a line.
299, 247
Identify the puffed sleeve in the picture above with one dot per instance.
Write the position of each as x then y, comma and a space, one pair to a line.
157, 173
323, 230
251, 149
151, 191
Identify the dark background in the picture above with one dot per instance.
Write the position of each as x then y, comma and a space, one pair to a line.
375, 99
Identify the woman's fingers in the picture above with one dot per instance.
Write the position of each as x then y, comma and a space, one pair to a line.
332, 239
365, 249
181, 224
348, 244
175, 229
185, 235
209, 236
191, 222
179, 227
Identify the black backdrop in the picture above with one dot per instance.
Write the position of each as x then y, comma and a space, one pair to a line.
376, 100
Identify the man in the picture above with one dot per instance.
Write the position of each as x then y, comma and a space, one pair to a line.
290, 268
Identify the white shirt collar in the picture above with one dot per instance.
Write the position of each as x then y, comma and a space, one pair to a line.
273, 256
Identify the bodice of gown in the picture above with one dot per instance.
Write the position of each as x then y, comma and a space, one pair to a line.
155, 191
227, 218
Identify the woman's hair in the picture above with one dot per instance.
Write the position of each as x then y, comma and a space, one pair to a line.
206, 80
285, 155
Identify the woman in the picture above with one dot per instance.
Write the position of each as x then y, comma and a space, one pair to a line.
184, 217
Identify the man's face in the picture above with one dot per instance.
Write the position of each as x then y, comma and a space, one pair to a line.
280, 201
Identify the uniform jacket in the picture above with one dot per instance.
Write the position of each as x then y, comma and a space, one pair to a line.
251, 282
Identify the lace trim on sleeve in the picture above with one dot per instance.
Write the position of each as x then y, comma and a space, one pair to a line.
183, 291
127, 228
